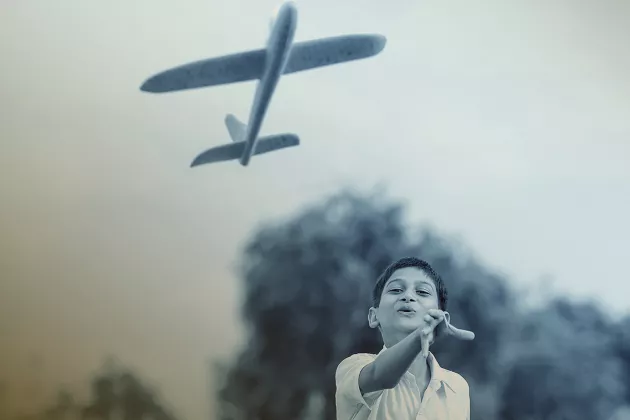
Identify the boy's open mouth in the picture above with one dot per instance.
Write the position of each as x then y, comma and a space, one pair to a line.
406, 311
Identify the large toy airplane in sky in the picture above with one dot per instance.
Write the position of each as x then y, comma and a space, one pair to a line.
281, 56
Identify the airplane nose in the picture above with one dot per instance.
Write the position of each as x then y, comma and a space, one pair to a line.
290, 5
288, 8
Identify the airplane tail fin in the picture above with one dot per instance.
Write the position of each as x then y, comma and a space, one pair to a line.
234, 151
235, 127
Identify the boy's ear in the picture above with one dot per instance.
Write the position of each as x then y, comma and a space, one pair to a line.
372, 318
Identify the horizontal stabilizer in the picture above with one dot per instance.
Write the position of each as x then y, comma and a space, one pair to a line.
277, 142
236, 128
234, 151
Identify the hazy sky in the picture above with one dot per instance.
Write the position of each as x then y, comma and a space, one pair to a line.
506, 123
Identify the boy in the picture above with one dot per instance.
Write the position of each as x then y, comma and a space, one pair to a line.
404, 381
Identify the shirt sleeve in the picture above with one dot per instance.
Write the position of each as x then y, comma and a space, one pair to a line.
348, 395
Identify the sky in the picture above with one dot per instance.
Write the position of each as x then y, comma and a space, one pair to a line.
506, 124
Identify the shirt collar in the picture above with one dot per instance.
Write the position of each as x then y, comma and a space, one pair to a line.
438, 374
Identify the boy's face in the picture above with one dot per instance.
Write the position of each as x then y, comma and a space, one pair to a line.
407, 296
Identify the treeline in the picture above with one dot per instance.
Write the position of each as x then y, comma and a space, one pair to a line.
307, 285
117, 393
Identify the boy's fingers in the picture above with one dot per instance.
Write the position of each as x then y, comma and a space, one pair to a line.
433, 318
425, 341
425, 344
435, 313
461, 334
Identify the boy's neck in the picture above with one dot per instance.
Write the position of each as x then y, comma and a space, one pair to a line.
420, 368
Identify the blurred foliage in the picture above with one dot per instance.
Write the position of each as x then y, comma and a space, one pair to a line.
565, 366
117, 394
308, 283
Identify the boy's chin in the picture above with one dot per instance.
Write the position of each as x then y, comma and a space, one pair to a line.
408, 326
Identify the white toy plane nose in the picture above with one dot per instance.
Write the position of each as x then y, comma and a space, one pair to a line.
288, 7
285, 11
274, 14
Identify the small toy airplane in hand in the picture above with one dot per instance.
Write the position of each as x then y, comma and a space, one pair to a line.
281, 56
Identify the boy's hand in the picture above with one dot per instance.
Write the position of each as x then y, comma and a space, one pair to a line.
436, 318
433, 318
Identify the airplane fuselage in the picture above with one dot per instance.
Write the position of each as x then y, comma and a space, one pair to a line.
278, 51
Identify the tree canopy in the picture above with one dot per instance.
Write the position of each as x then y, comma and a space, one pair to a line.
116, 393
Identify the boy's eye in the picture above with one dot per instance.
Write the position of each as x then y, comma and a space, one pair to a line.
395, 290
423, 292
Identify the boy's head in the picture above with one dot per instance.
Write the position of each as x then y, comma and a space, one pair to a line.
403, 294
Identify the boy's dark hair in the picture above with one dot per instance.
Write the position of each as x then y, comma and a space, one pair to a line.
420, 265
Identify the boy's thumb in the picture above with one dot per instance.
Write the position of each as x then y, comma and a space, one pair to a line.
461, 334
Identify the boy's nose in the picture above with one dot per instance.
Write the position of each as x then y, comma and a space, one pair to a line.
408, 297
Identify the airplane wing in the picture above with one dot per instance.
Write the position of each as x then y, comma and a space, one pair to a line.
232, 68
250, 65
335, 50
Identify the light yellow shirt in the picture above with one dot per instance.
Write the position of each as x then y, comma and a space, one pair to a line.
446, 398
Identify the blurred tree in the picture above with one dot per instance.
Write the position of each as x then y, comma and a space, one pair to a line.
103, 398
64, 407
622, 342
565, 366
137, 401
119, 394
308, 284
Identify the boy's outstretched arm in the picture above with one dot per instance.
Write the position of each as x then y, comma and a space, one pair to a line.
387, 369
